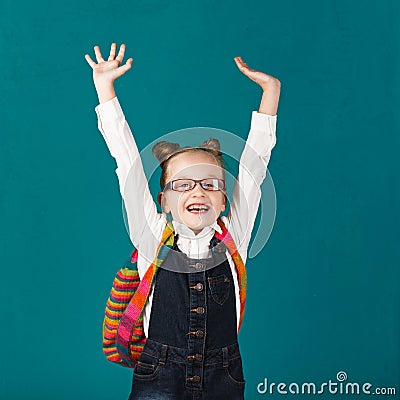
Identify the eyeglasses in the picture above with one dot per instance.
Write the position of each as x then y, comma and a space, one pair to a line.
183, 185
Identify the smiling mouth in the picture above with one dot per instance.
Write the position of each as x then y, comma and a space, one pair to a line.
198, 208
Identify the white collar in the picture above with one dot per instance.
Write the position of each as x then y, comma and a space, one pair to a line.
184, 231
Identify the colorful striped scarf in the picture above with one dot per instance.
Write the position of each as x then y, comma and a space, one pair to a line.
123, 334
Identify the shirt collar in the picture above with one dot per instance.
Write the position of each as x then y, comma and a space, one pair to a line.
183, 230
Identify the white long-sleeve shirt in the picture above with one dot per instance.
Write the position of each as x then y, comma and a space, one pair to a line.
146, 224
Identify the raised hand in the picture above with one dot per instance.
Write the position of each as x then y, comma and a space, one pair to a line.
106, 72
270, 85
112, 68
261, 78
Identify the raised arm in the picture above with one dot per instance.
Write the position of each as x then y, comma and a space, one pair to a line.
139, 204
254, 159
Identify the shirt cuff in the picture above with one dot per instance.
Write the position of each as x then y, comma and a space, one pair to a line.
109, 110
262, 135
260, 121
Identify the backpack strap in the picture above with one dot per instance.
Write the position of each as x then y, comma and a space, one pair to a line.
227, 239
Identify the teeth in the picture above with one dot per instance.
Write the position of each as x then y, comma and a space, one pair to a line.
197, 208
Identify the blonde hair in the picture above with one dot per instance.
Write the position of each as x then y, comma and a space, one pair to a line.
164, 151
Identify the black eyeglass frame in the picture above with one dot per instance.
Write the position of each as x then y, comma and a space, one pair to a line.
170, 184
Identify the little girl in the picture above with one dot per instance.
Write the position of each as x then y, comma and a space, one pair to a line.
195, 307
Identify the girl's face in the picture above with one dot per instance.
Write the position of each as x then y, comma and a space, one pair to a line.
194, 165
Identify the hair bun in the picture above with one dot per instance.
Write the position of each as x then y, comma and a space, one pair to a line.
211, 144
163, 150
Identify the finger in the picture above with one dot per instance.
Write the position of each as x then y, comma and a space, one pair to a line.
126, 67
239, 61
242, 62
242, 68
97, 52
112, 51
121, 53
90, 61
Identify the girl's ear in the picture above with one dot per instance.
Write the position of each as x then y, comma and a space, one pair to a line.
159, 196
163, 202
224, 205
225, 201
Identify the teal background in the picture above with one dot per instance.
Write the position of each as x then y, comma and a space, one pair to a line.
323, 294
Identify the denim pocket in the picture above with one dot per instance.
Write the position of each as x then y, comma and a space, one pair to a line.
219, 288
234, 371
147, 367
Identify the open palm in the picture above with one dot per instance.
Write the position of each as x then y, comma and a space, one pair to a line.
111, 69
261, 78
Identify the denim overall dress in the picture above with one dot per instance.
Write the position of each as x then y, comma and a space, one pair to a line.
191, 351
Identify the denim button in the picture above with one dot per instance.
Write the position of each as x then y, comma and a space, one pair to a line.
196, 378
199, 287
199, 334
198, 265
220, 247
200, 310
198, 357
